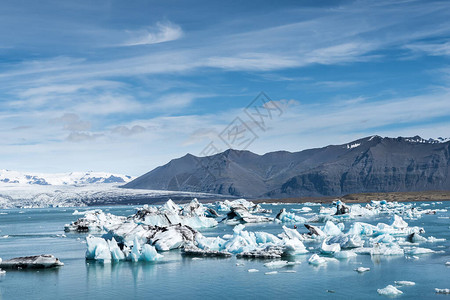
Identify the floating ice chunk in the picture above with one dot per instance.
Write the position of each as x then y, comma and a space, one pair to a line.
331, 229
404, 283
170, 206
398, 222
288, 271
292, 233
315, 231
362, 270
267, 252
382, 249
417, 251
344, 254
432, 239
240, 213
384, 238
253, 270
347, 240
276, 264
294, 246
135, 253
447, 263
442, 291
264, 238
116, 253
287, 217
209, 243
416, 238
316, 260
359, 228
98, 249
32, 262
191, 250
149, 253
330, 249
238, 228
2, 272
304, 209
311, 204
271, 273
390, 290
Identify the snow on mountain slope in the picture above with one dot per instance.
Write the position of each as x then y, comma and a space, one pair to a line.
73, 178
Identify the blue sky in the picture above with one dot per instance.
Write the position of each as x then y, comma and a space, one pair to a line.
124, 86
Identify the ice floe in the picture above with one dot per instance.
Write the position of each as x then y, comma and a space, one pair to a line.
442, 291
31, 262
404, 283
362, 269
390, 290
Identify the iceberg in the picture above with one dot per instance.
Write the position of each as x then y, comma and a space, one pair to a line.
253, 270
316, 260
315, 231
331, 229
442, 291
292, 233
404, 283
94, 220
390, 290
104, 251
345, 254
417, 251
362, 270
276, 264
287, 217
241, 213
386, 250
271, 273
267, 252
191, 250
329, 249
43, 261
347, 241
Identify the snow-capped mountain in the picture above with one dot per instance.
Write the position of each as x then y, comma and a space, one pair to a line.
73, 178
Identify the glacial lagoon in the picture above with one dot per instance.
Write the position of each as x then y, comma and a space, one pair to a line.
41, 231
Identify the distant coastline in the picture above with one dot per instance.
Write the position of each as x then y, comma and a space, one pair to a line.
367, 197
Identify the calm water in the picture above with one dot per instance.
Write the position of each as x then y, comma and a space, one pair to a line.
39, 231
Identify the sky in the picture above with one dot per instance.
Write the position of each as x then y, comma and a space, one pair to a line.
126, 86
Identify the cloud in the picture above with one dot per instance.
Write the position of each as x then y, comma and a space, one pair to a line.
82, 136
126, 131
72, 122
162, 32
431, 48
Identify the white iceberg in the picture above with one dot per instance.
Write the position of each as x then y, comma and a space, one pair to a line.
442, 291
276, 264
362, 269
404, 283
390, 290
329, 249
316, 260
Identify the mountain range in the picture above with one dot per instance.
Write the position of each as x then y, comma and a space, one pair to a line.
370, 164
72, 178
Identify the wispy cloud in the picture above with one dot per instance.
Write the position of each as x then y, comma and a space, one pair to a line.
162, 32
166, 88
431, 48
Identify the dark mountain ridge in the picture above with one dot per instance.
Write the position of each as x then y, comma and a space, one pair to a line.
371, 164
